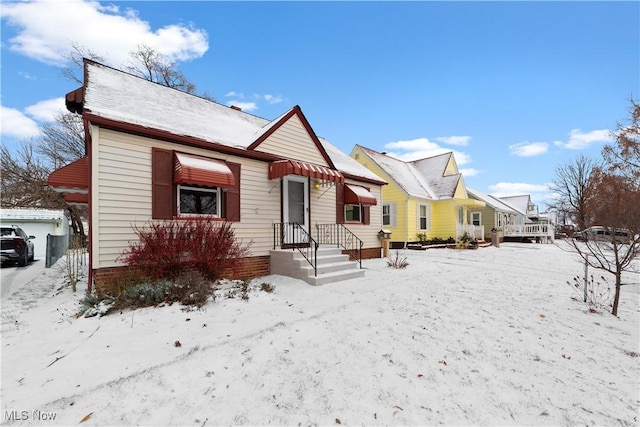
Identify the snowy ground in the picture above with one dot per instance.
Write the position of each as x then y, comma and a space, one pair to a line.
475, 337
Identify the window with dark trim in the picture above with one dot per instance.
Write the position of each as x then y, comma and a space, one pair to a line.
170, 200
353, 213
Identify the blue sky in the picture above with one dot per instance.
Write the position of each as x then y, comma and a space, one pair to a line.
515, 89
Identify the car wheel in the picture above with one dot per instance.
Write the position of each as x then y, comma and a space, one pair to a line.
24, 260
31, 258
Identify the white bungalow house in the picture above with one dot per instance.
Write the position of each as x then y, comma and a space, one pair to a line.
150, 149
529, 223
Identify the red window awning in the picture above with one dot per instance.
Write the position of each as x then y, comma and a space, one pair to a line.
356, 195
293, 167
72, 178
196, 170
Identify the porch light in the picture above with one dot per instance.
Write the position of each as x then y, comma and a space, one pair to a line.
317, 184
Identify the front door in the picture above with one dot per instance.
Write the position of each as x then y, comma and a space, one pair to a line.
295, 209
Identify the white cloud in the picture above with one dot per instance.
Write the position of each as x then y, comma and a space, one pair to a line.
579, 140
529, 149
26, 75
17, 125
47, 110
470, 172
273, 99
47, 29
454, 140
505, 189
421, 148
246, 106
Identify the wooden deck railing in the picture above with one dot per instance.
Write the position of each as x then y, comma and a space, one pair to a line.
530, 230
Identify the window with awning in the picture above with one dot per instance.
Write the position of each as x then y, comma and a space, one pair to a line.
356, 195
186, 184
194, 170
281, 168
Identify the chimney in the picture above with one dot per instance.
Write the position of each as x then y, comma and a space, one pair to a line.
235, 107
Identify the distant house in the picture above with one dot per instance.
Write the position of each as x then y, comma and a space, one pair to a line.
495, 215
154, 152
529, 222
513, 217
426, 196
39, 223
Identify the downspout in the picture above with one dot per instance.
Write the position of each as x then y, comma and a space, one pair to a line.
406, 212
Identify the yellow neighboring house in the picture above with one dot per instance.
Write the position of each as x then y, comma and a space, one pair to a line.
426, 196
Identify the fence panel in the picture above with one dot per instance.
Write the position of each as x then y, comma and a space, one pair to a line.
56, 248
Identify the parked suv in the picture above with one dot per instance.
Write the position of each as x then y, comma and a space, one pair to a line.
16, 245
602, 234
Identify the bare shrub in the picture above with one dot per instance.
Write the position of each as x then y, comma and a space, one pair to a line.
397, 262
598, 294
168, 249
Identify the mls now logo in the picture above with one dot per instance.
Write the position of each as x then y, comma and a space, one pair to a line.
26, 415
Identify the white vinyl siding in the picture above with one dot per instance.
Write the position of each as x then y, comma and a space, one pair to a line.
291, 140
124, 196
121, 197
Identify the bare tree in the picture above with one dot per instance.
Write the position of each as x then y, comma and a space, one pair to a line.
608, 195
25, 173
624, 156
62, 140
614, 204
572, 186
75, 67
24, 184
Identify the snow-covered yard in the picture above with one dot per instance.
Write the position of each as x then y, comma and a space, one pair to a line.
467, 337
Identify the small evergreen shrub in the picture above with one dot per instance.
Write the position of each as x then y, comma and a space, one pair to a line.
95, 304
145, 294
191, 288
267, 287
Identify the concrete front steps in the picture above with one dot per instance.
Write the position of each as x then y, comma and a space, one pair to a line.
333, 265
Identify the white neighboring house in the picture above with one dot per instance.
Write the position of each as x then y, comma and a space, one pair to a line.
38, 223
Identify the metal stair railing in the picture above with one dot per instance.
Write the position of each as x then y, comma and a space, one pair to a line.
294, 235
341, 236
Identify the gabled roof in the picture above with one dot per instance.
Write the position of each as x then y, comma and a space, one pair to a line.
519, 203
425, 178
491, 201
119, 99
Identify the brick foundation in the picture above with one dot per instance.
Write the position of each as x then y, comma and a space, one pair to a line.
367, 253
249, 268
106, 279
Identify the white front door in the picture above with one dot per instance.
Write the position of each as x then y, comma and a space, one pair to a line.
295, 208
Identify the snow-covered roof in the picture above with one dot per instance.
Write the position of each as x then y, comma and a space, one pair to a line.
519, 203
491, 201
424, 178
109, 91
112, 94
346, 164
31, 214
